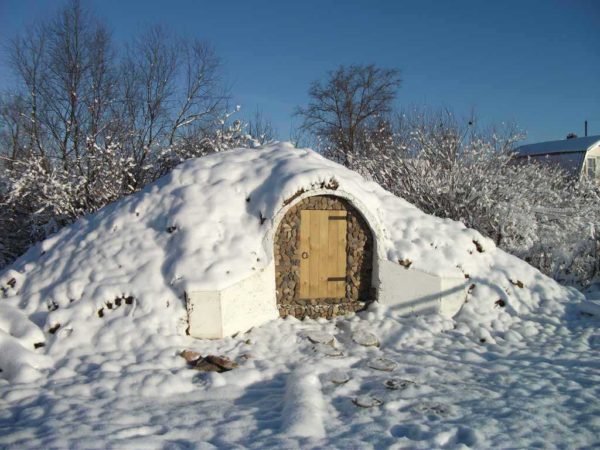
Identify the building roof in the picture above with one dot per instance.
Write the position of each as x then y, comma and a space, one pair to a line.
575, 145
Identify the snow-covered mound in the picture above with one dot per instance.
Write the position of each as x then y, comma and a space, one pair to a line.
114, 280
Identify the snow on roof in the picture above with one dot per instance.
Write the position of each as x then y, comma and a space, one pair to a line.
119, 275
574, 145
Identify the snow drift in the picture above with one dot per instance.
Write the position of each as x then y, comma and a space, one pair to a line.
116, 279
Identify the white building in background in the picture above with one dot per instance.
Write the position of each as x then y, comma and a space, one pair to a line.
578, 157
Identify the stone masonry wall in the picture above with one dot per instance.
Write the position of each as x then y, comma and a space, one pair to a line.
359, 267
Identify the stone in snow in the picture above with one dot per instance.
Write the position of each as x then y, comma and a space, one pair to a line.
367, 401
221, 361
205, 366
190, 356
320, 337
398, 384
339, 376
213, 363
384, 364
365, 338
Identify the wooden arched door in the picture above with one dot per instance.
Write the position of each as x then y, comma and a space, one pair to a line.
323, 256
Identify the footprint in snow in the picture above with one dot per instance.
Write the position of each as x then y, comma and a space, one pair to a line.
365, 338
320, 337
339, 377
327, 350
435, 409
383, 364
398, 384
367, 401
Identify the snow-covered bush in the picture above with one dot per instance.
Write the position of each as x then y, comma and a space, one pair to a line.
38, 198
86, 124
460, 172
225, 135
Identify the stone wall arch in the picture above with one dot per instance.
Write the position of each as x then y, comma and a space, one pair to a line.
360, 254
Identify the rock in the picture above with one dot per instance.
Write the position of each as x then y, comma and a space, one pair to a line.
367, 401
406, 263
339, 377
190, 356
222, 362
365, 338
320, 337
398, 384
213, 363
384, 364
205, 366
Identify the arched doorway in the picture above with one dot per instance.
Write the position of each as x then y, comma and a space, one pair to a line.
323, 259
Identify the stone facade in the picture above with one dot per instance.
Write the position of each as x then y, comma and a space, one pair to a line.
359, 266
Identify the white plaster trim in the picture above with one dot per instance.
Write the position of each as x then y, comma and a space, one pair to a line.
377, 230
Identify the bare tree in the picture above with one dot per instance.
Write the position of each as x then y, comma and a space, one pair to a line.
346, 103
171, 91
260, 128
26, 55
13, 123
65, 68
85, 125
202, 97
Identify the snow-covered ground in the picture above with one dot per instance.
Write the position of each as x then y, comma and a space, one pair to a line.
537, 386
92, 322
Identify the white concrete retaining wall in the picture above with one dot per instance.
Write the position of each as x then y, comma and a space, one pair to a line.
415, 292
249, 303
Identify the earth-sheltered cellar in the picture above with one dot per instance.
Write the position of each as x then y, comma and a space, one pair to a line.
326, 257
230, 241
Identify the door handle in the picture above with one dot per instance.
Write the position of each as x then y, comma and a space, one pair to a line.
304, 255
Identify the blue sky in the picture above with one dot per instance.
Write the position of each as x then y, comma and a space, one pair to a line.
535, 63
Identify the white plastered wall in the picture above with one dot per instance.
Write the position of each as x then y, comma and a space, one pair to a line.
411, 291
237, 308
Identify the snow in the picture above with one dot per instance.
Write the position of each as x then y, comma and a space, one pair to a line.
517, 367
524, 392
18, 339
590, 306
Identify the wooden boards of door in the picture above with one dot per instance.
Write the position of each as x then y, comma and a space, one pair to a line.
323, 253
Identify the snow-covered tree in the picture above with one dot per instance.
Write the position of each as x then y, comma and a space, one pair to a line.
450, 168
344, 105
88, 124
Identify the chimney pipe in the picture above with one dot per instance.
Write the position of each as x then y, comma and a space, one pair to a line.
585, 128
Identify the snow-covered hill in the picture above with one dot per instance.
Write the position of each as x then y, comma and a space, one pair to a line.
105, 298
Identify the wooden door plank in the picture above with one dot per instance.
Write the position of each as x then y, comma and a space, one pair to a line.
324, 267
336, 288
332, 255
314, 257
304, 250
342, 257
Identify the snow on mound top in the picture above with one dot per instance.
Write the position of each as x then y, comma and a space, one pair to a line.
204, 227
209, 224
